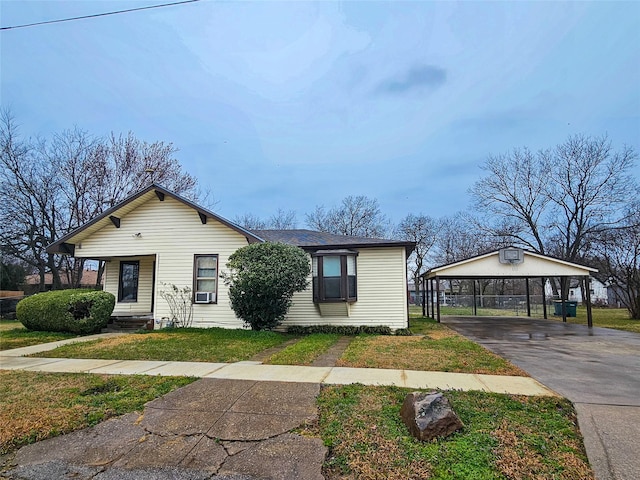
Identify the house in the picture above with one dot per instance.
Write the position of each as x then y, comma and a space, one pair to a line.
598, 291
155, 238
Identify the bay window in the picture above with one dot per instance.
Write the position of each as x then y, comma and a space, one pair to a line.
334, 276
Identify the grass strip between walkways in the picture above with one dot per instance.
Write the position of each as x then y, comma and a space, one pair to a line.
304, 351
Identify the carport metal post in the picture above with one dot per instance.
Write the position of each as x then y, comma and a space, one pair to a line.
475, 302
433, 305
563, 297
544, 298
438, 298
424, 293
526, 282
587, 291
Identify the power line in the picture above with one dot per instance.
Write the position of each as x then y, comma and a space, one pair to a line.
97, 15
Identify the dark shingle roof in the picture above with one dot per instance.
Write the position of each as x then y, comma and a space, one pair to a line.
313, 239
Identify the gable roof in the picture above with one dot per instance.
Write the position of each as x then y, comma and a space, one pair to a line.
488, 265
310, 239
66, 244
307, 239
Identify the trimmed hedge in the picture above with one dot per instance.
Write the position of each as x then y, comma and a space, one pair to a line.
75, 311
347, 330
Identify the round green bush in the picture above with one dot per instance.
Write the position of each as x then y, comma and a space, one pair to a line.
74, 311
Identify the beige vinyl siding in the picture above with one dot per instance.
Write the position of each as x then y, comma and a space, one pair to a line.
382, 295
145, 278
173, 233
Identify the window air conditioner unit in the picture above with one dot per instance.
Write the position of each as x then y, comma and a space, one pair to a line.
205, 297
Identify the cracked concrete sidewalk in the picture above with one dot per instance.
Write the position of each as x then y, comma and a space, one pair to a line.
211, 429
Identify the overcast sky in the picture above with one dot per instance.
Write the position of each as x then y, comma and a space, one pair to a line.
297, 104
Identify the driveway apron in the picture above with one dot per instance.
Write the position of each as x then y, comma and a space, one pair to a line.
598, 369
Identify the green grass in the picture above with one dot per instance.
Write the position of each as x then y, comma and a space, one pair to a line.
504, 437
35, 405
188, 344
305, 351
617, 318
14, 335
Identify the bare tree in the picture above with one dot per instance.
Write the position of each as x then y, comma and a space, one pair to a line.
514, 192
557, 201
618, 261
250, 221
355, 216
283, 220
459, 238
423, 230
29, 190
50, 188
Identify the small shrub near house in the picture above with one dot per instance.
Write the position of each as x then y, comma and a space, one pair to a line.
74, 311
347, 330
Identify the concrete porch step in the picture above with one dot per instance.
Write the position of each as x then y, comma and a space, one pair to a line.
119, 323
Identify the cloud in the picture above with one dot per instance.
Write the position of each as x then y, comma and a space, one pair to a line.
419, 77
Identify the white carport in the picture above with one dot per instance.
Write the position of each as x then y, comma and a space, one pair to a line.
508, 262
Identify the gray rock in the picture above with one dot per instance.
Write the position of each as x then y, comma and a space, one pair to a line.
429, 415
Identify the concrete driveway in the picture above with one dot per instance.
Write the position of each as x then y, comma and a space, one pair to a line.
597, 369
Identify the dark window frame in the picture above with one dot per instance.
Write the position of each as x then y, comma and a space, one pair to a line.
319, 294
136, 264
196, 278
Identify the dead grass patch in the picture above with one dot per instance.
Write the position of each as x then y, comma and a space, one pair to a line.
515, 459
36, 405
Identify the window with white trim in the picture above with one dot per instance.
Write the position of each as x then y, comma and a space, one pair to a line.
205, 278
334, 276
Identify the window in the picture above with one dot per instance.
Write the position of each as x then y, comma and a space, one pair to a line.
334, 276
205, 278
128, 281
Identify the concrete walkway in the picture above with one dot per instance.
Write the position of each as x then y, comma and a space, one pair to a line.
598, 369
210, 429
256, 371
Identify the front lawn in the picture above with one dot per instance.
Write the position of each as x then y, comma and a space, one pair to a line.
439, 349
35, 406
505, 437
179, 345
14, 335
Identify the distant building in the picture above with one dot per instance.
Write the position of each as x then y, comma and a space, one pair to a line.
32, 282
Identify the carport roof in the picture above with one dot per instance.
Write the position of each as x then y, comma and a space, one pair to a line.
488, 265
